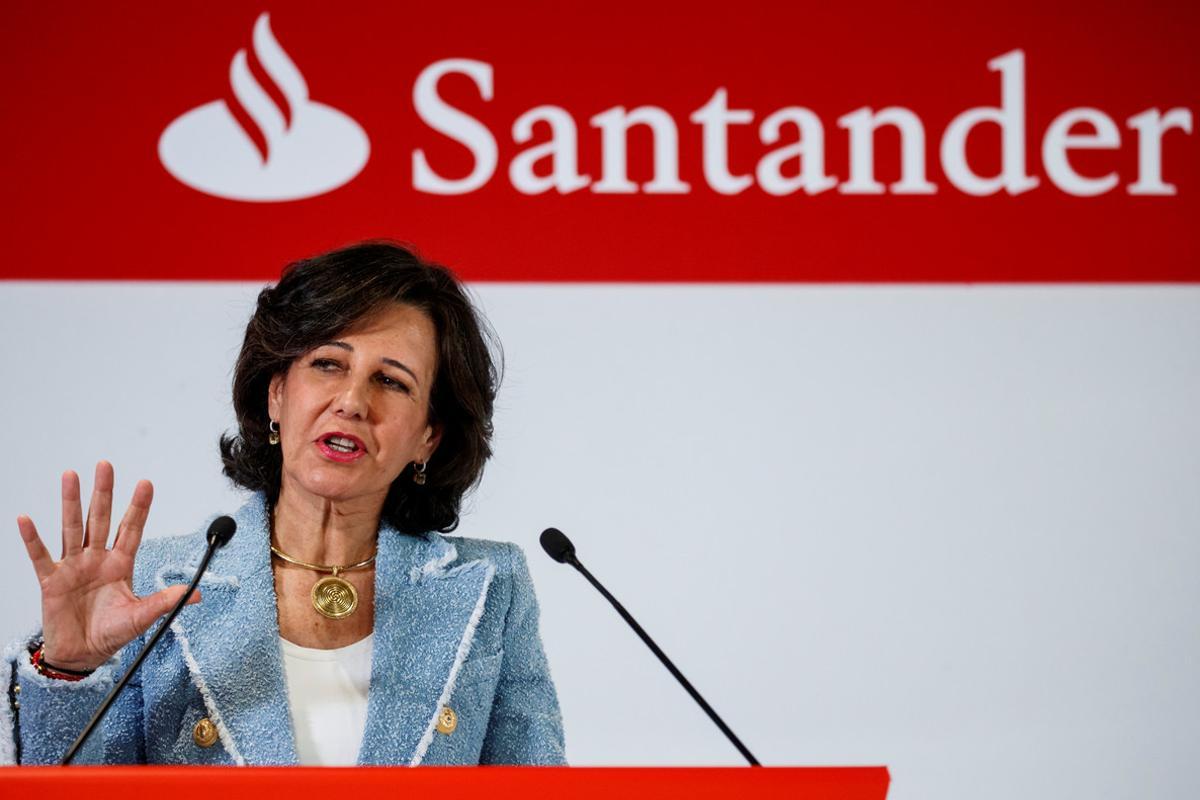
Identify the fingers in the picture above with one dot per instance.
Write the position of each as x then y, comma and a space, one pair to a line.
153, 606
129, 532
72, 515
100, 508
43, 562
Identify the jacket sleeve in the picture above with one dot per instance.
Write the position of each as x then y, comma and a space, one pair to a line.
525, 725
41, 717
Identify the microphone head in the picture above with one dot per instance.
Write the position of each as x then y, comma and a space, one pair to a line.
221, 531
557, 545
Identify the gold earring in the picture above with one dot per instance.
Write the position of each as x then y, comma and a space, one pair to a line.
419, 472
273, 436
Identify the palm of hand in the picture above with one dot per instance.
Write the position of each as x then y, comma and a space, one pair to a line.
89, 610
88, 605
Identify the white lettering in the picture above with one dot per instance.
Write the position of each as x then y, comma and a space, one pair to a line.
1059, 139
564, 174
1150, 126
862, 125
615, 124
715, 116
455, 124
553, 163
809, 150
1010, 116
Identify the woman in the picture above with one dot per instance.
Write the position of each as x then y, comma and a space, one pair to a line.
338, 626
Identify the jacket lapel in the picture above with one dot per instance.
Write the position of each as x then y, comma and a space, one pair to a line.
425, 618
230, 642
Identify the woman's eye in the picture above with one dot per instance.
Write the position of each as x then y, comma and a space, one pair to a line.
325, 364
392, 383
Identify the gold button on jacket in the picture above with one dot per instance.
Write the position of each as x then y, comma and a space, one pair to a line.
447, 720
205, 733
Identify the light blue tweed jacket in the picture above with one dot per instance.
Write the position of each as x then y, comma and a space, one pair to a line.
456, 624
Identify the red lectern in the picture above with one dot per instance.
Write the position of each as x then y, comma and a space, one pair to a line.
492, 783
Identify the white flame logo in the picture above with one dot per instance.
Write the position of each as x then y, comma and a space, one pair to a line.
310, 148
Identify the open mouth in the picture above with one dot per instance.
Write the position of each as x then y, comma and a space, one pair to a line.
341, 446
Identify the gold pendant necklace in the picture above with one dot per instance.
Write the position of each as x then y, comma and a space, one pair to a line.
331, 596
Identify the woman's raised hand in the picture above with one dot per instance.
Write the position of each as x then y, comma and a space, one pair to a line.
89, 610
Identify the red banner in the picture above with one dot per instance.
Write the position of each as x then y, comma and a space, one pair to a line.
624, 141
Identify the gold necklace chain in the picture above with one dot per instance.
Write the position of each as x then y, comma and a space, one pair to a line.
320, 567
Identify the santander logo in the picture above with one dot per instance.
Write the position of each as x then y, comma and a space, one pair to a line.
298, 148
279, 145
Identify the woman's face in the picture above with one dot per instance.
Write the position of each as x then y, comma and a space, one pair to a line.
353, 412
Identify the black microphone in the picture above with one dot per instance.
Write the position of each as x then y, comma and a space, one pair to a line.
559, 547
219, 533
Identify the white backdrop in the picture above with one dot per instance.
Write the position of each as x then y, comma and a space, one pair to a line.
953, 530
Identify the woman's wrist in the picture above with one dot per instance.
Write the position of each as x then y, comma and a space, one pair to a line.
37, 658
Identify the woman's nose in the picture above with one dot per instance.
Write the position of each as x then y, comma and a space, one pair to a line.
353, 401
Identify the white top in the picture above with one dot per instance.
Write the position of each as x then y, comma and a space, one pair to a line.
327, 692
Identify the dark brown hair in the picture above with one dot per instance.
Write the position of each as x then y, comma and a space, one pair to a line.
319, 298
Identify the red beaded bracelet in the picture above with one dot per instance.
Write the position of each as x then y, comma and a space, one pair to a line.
38, 659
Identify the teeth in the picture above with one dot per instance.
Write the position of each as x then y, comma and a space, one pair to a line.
341, 444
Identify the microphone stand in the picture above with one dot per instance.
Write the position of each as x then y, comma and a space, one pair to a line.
219, 533
567, 555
